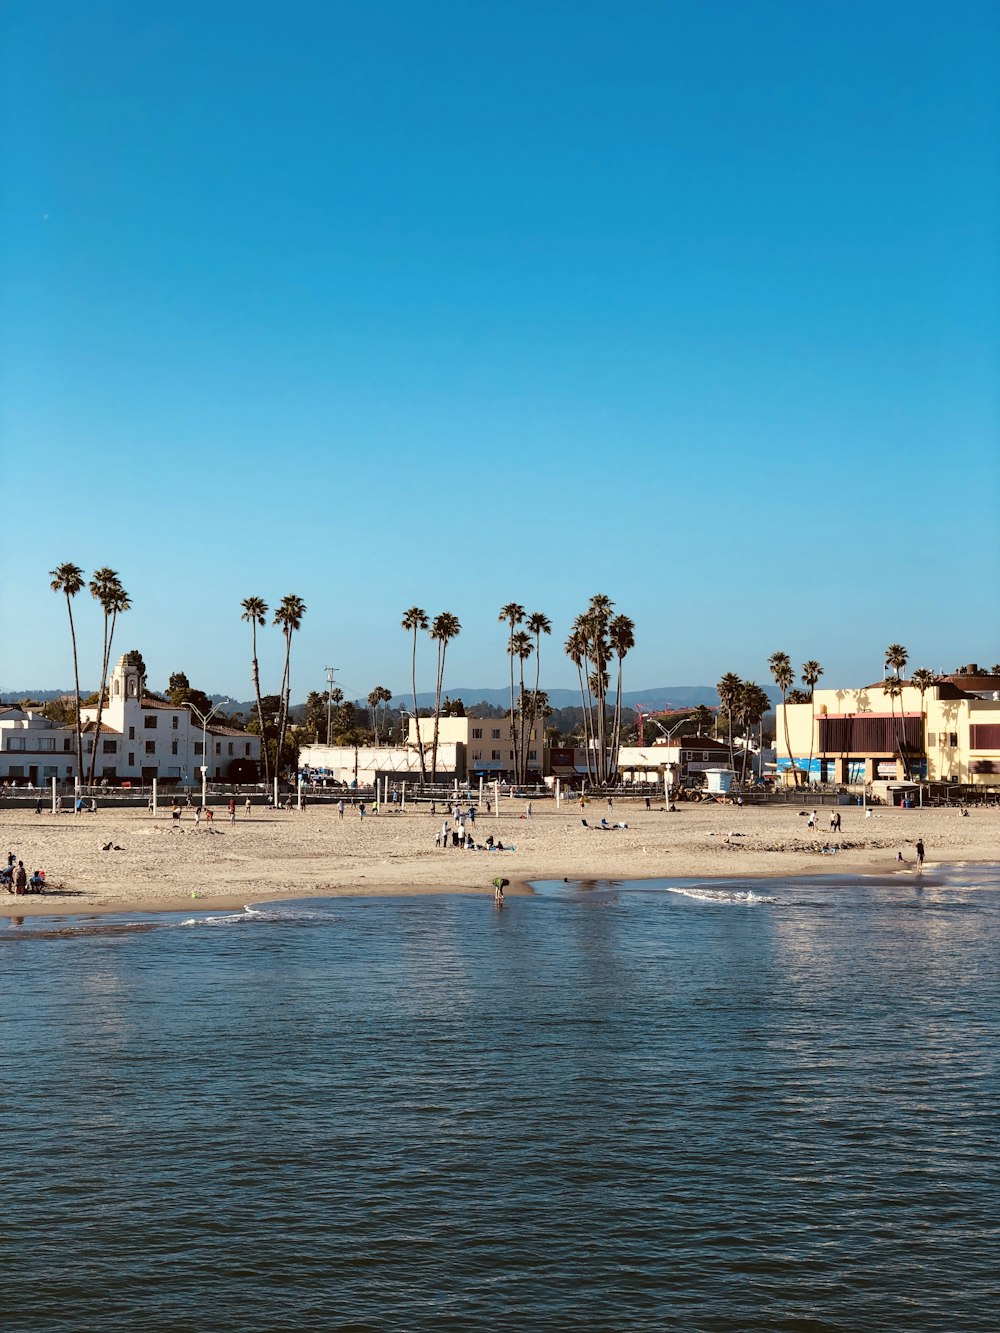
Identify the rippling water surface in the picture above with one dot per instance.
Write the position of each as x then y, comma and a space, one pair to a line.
608, 1106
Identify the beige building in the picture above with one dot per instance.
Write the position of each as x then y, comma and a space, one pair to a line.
946, 733
487, 744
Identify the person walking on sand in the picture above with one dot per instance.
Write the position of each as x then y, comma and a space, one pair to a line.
835, 822
920, 852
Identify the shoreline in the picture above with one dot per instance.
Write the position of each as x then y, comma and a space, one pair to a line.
156, 866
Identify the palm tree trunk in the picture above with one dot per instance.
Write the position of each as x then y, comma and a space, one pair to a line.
76, 684
416, 713
437, 711
100, 704
286, 691
260, 710
788, 743
513, 714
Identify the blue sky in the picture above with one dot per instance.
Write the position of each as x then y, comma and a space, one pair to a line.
695, 305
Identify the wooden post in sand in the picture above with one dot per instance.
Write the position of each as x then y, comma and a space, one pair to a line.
300, 793
154, 797
402, 800
480, 791
558, 794
53, 795
496, 797
275, 791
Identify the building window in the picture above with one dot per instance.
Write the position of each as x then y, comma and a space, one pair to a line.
46, 742
931, 739
532, 754
248, 749
174, 722
131, 733
16, 771
131, 759
109, 747
15, 743
199, 748
477, 733
496, 754
151, 747
67, 744
230, 747
173, 747
88, 745
218, 747
109, 772
495, 735
149, 721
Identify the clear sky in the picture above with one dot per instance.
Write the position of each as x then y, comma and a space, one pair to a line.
693, 304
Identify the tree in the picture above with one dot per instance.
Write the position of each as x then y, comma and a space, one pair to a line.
414, 620
513, 614
68, 579
621, 637
811, 672
783, 675
255, 611
751, 704
537, 624
106, 588
288, 616
379, 695
521, 649
576, 650
896, 658
703, 718
728, 690
923, 678
589, 648
446, 627
180, 693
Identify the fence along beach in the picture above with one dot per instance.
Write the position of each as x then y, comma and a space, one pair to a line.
158, 863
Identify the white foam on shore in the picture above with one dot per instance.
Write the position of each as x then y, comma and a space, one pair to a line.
742, 897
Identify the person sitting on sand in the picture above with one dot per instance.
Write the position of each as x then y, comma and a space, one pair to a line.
37, 882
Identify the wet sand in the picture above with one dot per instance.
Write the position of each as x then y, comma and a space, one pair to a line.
276, 854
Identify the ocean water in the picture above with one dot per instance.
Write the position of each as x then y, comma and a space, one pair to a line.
672, 1105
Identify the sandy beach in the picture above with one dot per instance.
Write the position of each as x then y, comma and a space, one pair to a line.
156, 865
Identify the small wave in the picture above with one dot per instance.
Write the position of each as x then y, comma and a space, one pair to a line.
744, 897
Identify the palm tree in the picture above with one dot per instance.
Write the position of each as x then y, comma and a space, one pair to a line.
728, 690
520, 647
896, 658
598, 619
445, 627
575, 648
68, 579
702, 717
621, 637
379, 695
255, 611
288, 616
513, 614
538, 624
414, 620
783, 675
751, 704
811, 672
106, 587
923, 678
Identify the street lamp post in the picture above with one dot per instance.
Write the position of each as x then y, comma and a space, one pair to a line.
205, 718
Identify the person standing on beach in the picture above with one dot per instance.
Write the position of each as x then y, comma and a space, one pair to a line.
340, 809
20, 879
248, 805
920, 852
232, 809
527, 810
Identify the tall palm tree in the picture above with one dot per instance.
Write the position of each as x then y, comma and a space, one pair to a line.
68, 579
513, 614
896, 658
537, 624
255, 611
414, 620
288, 617
621, 638
521, 648
751, 704
811, 672
598, 619
783, 676
106, 588
444, 628
379, 695
575, 648
703, 718
728, 690
923, 678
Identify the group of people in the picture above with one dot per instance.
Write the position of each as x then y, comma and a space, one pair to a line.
461, 836
15, 879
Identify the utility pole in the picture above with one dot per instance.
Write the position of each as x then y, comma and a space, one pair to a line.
329, 699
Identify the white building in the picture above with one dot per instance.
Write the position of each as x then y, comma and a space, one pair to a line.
144, 738
34, 750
